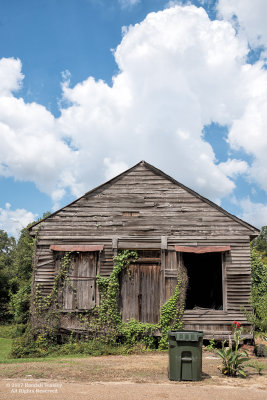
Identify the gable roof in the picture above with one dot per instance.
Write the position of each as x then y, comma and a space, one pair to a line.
254, 231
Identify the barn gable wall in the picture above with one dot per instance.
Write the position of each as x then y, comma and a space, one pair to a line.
135, 211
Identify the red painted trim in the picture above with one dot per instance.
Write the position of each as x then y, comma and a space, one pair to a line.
74, 247
202, 249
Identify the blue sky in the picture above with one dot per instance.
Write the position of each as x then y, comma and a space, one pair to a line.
88, 88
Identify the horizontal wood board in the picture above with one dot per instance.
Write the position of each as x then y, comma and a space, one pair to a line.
138, 209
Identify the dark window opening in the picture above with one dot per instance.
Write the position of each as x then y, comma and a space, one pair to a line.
204, 281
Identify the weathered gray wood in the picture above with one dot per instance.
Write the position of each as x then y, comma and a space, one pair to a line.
164, 243
141, 284
162, 292
80, 292
143, 209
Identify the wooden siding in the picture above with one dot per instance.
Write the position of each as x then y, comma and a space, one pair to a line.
134, 212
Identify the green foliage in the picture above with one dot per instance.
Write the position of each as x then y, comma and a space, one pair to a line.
23, 256
15, 276
134, 332
21, 282
109, 289
29, 346
260, 243
258, 292
104, 322
12, 330
45, 309
171, 315
233, 359
233, 362
211, 345
256, 365
34, 343
20, 303
44, 303
7, 248
5, 347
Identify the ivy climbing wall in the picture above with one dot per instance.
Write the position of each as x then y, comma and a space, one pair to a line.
144, 209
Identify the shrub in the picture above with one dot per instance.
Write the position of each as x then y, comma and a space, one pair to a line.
233, 360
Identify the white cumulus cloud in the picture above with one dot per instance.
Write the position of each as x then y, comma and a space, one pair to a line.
251, 18
178, 71
10, 76
255, 213
171, 83
233, 167
12, 221
31, 149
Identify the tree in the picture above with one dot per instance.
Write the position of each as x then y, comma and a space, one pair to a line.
259, 290
7, 247
22, 266
260, 243
21, 282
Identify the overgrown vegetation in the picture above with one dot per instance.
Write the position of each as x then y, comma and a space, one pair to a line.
233, 359
103, 322
15, 276
7, 250
259, 291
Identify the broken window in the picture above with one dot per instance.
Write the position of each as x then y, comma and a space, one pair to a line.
204, 280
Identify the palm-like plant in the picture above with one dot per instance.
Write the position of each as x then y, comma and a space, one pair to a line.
233, 360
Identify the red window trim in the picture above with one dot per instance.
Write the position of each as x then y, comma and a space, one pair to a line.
202, 249
74, 247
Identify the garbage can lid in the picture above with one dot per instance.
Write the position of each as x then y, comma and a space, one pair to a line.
186, 336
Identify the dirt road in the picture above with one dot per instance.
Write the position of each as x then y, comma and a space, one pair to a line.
135, 377
55, 390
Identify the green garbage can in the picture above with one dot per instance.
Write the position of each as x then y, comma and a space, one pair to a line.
185, 355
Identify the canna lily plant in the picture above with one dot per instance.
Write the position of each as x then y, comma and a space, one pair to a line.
233, 359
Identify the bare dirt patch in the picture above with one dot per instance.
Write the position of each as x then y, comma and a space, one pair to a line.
141, 368
133, 377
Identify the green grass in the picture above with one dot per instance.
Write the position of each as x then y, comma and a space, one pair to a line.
41, 359
11, 330
5, 347
27, 349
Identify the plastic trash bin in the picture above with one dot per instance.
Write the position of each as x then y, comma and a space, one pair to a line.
185, 355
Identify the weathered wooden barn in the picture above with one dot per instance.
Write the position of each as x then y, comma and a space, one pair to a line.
169, 225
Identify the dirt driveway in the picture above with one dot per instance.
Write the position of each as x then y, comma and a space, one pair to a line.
134, 377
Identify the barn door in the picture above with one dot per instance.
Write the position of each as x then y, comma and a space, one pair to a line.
140, 288
80, 292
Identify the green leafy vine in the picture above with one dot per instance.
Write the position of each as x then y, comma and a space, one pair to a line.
109, 289
44, 303
105, 319
171, 315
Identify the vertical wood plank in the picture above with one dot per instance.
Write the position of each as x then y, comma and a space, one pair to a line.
162, 278
224, 282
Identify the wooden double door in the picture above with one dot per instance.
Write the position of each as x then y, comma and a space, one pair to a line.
140, 289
